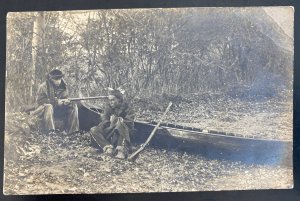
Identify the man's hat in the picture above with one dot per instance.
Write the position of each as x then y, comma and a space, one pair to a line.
56, 74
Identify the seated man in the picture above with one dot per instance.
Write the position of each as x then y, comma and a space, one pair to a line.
116, 127
52, 98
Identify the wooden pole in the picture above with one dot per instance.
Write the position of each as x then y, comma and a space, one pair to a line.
134, 156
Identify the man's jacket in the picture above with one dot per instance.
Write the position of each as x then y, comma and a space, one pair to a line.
125, 127
48, 93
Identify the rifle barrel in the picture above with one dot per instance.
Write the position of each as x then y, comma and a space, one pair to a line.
87, 98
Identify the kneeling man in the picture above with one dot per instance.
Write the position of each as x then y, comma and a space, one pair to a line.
52, 96
114, 132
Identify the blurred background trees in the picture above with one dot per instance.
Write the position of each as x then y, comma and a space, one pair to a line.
149, 51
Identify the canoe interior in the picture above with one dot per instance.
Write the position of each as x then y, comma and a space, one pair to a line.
88, 115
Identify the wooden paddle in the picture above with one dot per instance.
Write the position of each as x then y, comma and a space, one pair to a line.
134, 156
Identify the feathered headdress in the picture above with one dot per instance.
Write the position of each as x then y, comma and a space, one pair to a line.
119, 93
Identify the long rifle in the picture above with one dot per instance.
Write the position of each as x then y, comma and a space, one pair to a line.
87, 98
83, 98
35, 109
134, 156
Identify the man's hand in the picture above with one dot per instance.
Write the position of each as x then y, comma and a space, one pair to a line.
113, 119
61, 102
121, 119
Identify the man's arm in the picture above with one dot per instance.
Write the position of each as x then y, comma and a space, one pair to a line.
128, 117
64, 94
105, 124
63, 98
42, 96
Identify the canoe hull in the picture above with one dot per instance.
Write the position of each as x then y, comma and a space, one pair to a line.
197, 141
217, 146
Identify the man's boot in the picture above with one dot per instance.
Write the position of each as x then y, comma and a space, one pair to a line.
108, 150
121, 154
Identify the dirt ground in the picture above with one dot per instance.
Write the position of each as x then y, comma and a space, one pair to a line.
56, 164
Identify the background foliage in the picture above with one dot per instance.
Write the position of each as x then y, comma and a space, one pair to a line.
236, 52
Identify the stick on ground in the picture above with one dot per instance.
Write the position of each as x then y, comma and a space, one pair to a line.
134, 156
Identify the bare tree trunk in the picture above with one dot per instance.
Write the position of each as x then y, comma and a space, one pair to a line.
37, 39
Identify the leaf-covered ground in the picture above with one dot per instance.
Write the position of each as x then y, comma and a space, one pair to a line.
40, 164
267, 118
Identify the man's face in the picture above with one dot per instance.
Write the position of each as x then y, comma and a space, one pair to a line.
56, 82
114, 101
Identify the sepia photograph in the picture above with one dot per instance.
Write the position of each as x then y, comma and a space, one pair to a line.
149, 100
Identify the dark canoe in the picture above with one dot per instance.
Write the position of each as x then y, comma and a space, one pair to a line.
208, 143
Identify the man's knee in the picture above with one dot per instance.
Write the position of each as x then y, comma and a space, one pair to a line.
96, 130
72, 107
48, 108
